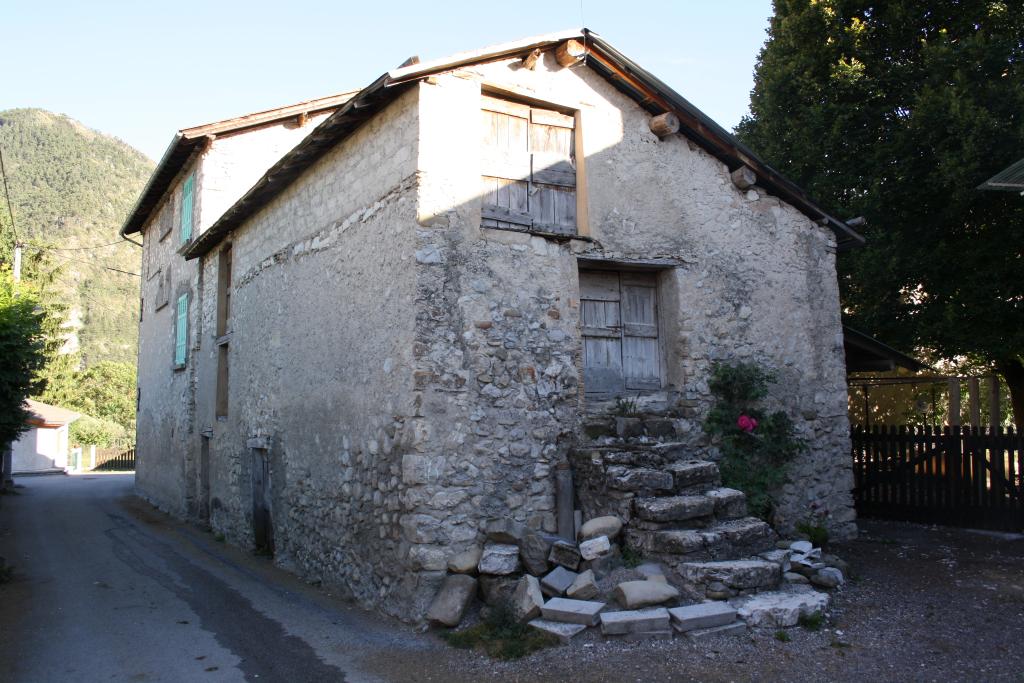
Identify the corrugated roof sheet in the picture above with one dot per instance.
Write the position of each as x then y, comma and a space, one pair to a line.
1010, 179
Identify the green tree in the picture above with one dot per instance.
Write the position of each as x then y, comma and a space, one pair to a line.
897, 111
21, 353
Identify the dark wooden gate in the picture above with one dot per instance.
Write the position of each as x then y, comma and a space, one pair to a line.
968, 477
114, 460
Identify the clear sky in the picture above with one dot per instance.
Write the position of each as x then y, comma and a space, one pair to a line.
141, 70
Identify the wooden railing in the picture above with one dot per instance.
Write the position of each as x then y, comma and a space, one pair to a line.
959, 476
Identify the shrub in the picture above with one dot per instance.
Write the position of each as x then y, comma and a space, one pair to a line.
500, 636
756, 447
88, 430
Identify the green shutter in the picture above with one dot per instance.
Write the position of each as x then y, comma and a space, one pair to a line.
186, 208
181, 331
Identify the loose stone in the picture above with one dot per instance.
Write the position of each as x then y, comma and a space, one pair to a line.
558, 581
793, 577
451, 601
504, 531
801, 547
527, 599
635, 621
534, 548
565, 554
609, 526
595, 547
564, 632
702, 615
584, 587
780, 609
496, 590
634, 594
572, 611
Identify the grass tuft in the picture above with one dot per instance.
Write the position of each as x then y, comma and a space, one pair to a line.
812, 622
500, 636
783, 636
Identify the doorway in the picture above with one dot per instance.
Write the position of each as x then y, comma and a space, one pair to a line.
619, 312
262, 524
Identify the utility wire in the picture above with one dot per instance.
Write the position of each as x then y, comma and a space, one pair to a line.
88, 263
7, 194
96, 246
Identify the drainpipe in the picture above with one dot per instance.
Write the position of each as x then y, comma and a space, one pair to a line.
564, 502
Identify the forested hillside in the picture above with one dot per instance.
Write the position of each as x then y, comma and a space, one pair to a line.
70, 189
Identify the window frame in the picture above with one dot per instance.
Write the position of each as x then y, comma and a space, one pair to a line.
186, 223
181, 332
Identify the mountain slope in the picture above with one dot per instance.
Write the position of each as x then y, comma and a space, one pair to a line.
71, 188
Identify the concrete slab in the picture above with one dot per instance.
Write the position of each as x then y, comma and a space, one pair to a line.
702, 615
635, 621
572, 611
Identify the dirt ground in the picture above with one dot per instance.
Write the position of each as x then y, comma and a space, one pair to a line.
924, 604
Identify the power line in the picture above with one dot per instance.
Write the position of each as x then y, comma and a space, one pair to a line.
88, 263
7, 194
96, 246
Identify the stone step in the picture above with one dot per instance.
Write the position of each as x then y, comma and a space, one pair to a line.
736, 628
780, 609
739, 575
691, 473
720, 540
640, 479
561, 630
729, 503
673, 508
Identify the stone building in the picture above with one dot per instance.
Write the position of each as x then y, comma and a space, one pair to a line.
375, 322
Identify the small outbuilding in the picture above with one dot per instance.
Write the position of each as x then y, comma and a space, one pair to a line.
44, 447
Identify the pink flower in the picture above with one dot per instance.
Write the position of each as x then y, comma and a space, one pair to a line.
746, 423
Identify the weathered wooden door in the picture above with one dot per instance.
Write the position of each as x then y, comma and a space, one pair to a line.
620, 331
262, 526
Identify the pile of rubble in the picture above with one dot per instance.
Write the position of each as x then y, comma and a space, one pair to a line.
562, 588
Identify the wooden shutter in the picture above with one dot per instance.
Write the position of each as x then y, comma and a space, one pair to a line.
529, 176
181, 331
186, 208
640, 354
602, 346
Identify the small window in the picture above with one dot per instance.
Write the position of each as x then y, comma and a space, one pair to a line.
528, 166
181, 331
186, 208
163, 289
166, 220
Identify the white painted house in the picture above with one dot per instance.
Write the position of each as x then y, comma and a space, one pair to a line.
44, 447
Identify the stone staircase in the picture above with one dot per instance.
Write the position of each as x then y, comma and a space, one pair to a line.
673, 506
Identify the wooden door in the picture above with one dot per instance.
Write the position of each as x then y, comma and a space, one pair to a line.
620, 331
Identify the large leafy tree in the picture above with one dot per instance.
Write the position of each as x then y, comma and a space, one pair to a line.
897, 111
22, 345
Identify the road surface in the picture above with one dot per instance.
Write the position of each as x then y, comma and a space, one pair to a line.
107, 589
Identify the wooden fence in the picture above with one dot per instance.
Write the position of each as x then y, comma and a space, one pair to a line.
114, 460
969, 477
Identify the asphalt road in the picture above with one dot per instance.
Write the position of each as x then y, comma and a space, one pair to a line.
107, 589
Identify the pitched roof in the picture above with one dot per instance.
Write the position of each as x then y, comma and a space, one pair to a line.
627, 76
45, 415
864, 353
186, 141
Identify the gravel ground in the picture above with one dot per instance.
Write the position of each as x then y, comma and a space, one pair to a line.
924, 604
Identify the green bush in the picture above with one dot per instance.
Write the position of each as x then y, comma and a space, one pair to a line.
87, 431
753, 460
500, 636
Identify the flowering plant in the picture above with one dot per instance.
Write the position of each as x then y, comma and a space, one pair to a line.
746, 423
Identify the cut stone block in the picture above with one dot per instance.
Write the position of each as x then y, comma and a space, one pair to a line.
564, 632
779, 609
746, 531
702, 615
648, 635
451, 601
527, 599
572, 611
742, 574
558, 581
635, 621
506, 531
673, 508
729, 503
595, 547
687, 473
649, 569
734, 629
609, 526
465, 562
634, 594
498, 558
584, 587
639, 479
565, 554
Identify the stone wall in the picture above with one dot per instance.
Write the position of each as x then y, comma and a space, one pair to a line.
320, 363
